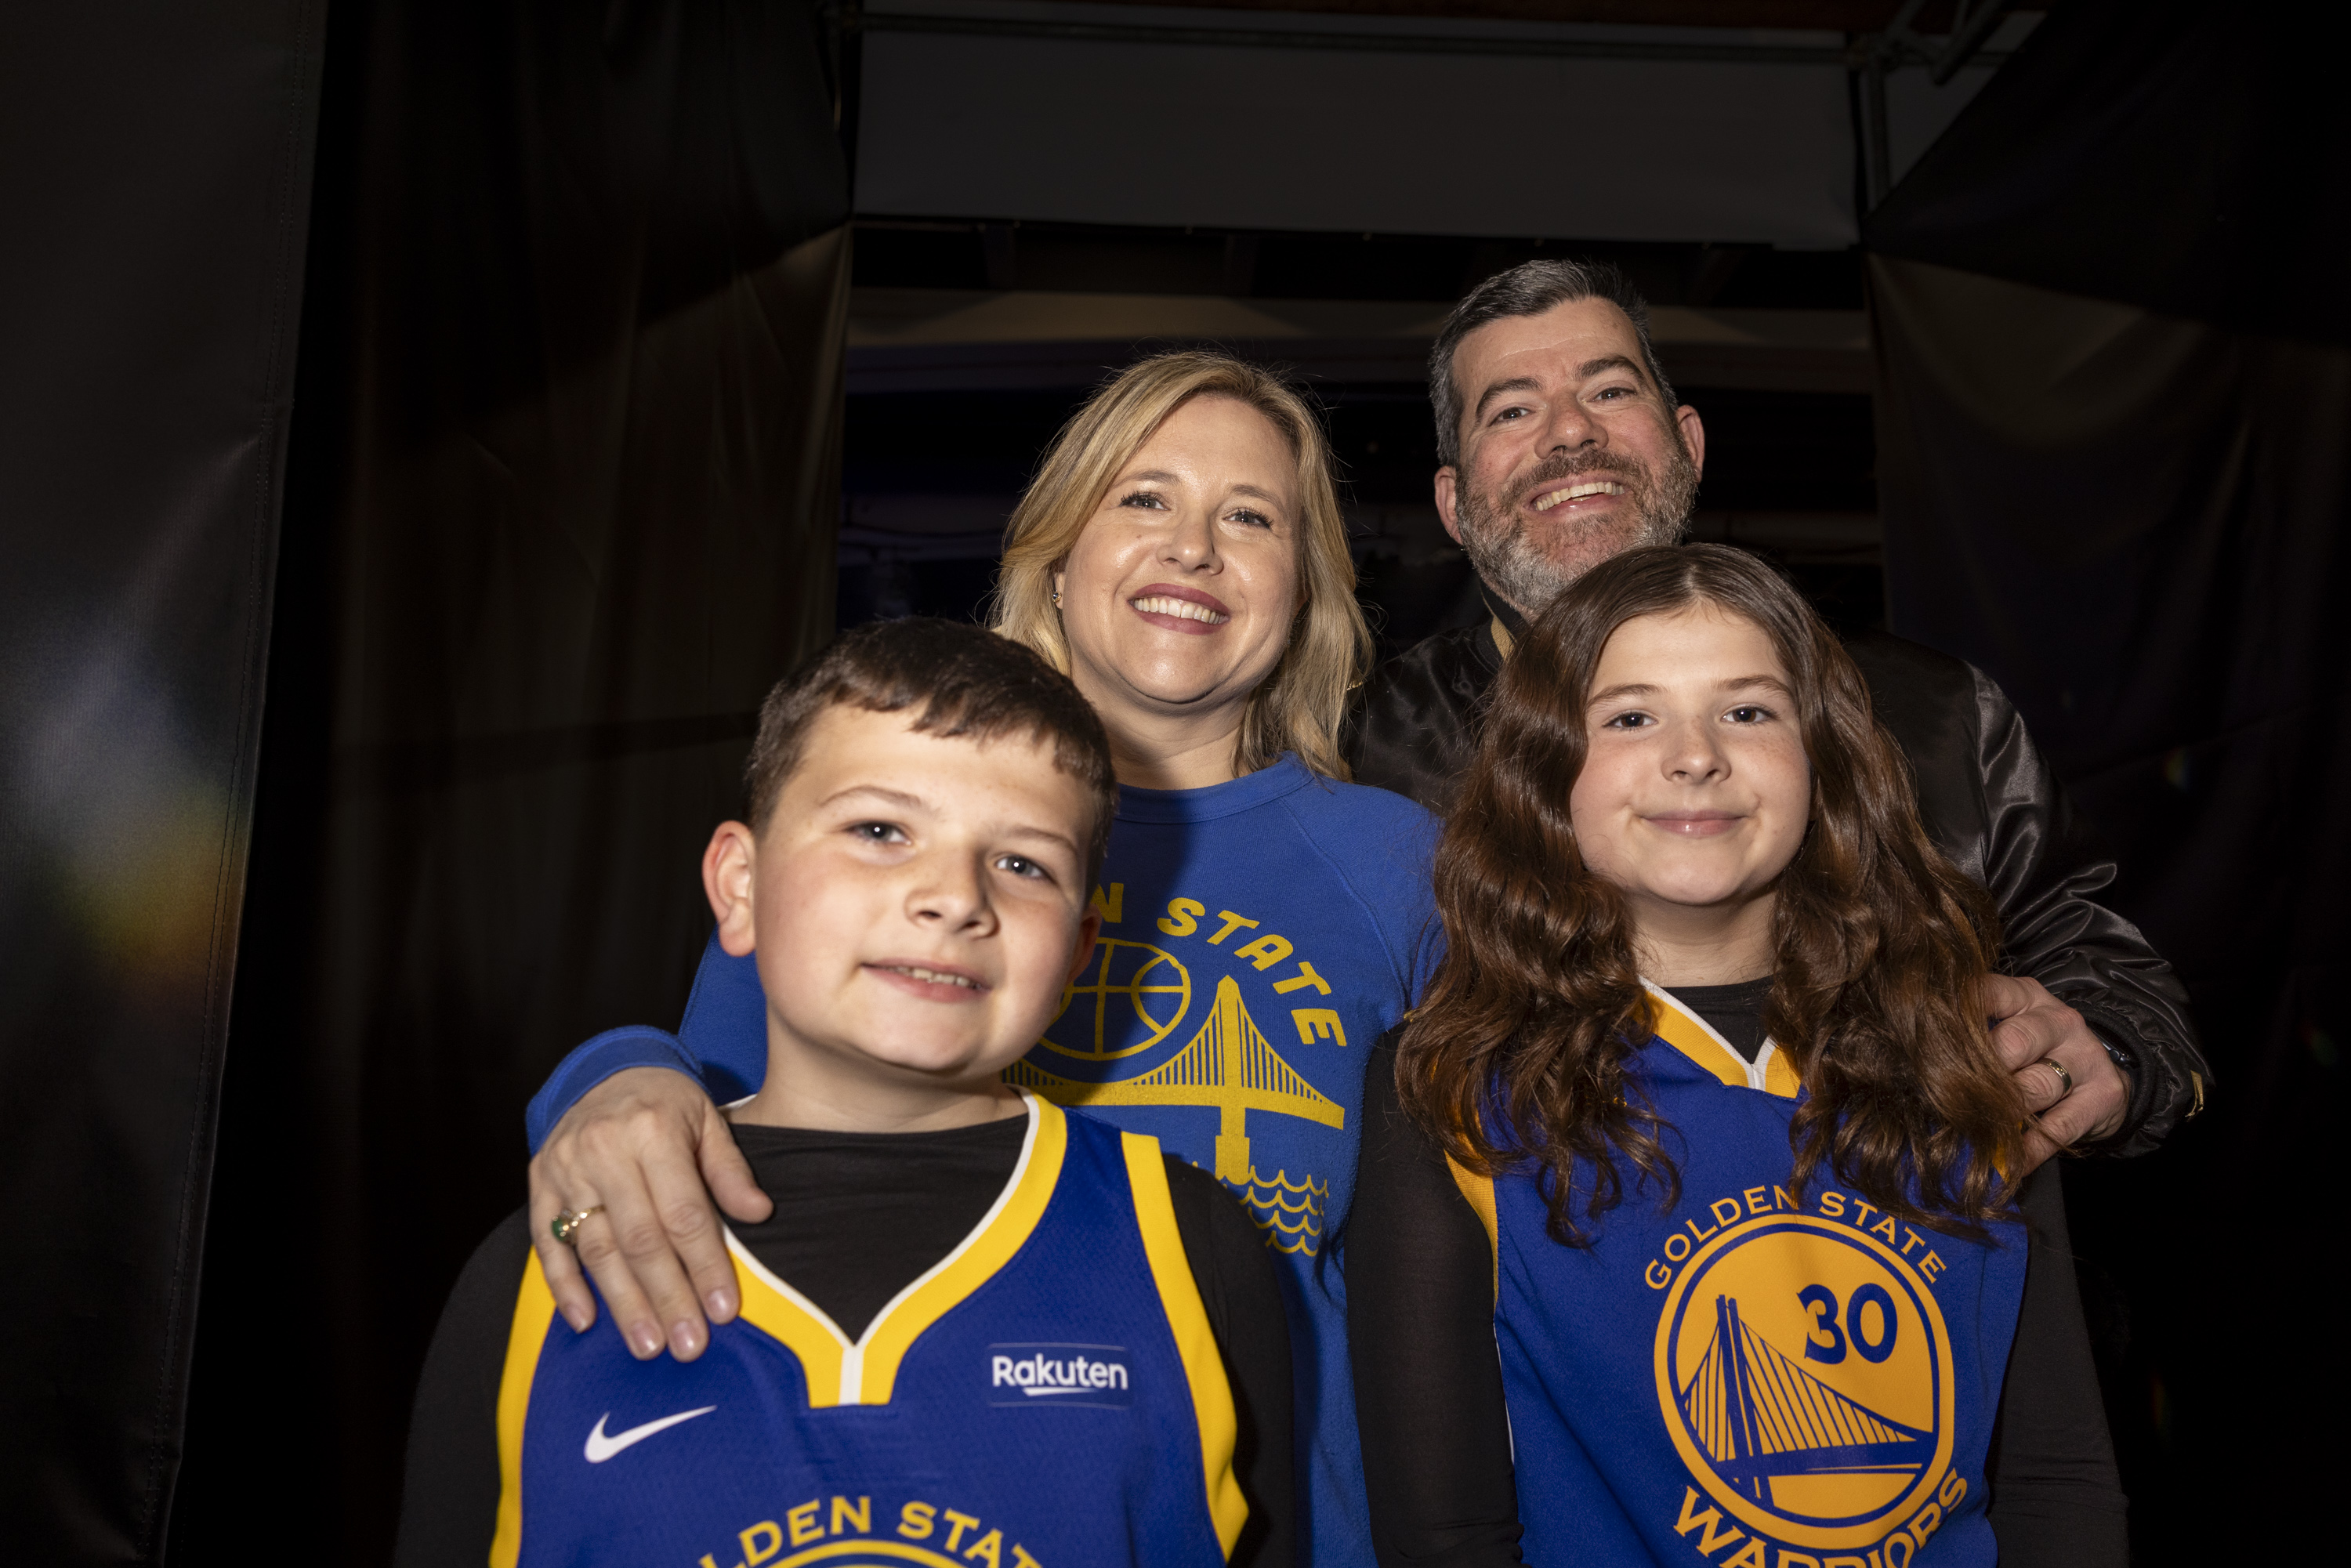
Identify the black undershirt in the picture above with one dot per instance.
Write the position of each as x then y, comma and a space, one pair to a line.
858, 1216
1736, 1011
1428, 1391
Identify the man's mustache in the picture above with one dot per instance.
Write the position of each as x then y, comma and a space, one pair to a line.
1560, 467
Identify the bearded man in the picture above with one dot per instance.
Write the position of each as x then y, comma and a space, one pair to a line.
1562, 444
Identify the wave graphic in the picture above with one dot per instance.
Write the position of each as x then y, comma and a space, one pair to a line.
1289, 1212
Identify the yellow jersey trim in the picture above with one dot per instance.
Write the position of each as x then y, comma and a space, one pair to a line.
534, 1314
1479, 1191
1002, 1232
840, 1371
1503, 640
782, 1313
1697, 1040
1196, 1342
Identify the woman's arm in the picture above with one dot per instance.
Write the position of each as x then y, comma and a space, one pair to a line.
626, 1122
2056, 1498
1243, 1298
647, 1148
1420, 1327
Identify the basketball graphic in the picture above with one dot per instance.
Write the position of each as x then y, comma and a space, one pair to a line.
1803, 1370
1128, 999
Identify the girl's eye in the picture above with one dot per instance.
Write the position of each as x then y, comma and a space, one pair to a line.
879, 832
1022, 865
1627, 721
1750, 713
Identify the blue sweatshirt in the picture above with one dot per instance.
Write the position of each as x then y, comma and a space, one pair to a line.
1258, 936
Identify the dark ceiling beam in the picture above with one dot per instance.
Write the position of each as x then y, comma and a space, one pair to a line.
1836, 15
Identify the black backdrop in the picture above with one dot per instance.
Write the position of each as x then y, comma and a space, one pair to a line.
154, 174
2115, 456
561, 508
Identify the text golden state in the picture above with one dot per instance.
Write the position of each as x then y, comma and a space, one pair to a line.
931, 1534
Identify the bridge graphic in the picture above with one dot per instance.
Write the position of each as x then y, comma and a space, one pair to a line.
1758, 1415
1228, 1065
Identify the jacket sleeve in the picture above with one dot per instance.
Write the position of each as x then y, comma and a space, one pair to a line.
2047, 880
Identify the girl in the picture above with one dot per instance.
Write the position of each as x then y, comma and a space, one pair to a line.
1699, 1124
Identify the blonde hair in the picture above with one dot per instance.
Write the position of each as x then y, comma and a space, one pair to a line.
1299, 707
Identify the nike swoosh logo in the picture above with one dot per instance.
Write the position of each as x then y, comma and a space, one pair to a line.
601, 1448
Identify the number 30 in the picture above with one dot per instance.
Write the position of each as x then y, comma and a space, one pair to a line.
1827, 1342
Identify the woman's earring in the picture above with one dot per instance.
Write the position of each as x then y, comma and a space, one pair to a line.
1057, 598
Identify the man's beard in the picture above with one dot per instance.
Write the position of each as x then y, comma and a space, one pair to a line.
1530, 573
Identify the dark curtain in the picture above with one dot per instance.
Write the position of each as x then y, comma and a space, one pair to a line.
563, 506
2115, 405
154, 178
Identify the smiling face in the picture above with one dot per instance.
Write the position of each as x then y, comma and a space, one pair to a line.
1178, 597
916, 905
1569, 452
1695, 792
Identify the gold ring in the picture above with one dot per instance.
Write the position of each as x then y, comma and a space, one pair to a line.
567, 1224
2064, 1079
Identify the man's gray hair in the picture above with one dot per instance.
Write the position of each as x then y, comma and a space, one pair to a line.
1529, 289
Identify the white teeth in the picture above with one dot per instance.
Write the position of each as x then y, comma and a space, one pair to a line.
1577, 492
934, 977
1182, 609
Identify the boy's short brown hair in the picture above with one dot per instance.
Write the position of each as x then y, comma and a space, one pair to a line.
970, 683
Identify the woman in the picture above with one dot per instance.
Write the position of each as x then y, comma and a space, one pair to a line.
1182, 556
1700, 1127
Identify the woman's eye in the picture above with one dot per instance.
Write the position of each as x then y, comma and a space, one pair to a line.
1253, 519
1022, 865
879, 833
1148, 499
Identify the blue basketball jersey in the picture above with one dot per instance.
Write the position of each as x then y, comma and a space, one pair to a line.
1049, 1395
1745, 1378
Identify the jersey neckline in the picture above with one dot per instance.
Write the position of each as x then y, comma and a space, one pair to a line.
1679, 1027
1284, 775
840, 1371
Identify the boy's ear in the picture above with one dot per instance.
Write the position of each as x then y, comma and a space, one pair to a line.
1088, 929
726, 871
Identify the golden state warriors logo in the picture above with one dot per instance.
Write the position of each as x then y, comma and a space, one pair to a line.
1137, 1027
1805, 1372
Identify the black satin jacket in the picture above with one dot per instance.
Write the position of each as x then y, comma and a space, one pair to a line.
1989, 799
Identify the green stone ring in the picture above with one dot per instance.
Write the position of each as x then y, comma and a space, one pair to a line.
566, 1225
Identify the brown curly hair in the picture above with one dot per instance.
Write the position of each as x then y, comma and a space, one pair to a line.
1521, 1054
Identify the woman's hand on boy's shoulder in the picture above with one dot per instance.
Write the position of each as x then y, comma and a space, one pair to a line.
637, 1150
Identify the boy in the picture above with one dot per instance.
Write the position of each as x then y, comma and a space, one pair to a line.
982, 1330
